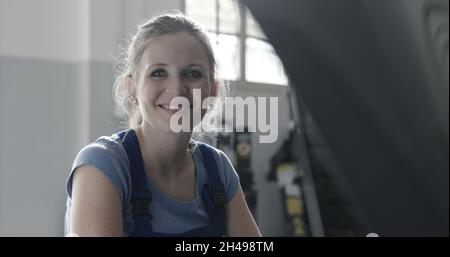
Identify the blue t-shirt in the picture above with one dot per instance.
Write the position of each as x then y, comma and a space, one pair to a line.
169, 215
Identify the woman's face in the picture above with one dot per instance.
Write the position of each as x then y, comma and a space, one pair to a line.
172, 65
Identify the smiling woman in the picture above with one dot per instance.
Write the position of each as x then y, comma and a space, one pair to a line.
173, 64
149, 180
165, 28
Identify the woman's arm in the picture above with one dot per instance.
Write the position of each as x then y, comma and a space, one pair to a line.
96, 207
240, 219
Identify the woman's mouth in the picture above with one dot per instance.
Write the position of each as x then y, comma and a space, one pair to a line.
166, 107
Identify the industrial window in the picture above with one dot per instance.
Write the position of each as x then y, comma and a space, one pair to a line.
242, 50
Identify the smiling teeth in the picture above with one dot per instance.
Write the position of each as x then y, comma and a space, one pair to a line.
167, 107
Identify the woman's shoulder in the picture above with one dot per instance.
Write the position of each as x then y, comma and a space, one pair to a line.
105, 153
202, 146
220, 156
104, 146
108, 156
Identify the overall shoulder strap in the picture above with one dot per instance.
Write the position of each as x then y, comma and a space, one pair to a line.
141, 196
213, 192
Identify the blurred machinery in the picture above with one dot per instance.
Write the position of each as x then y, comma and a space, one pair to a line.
289, 177
238, 147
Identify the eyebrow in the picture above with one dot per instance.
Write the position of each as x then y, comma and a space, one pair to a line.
195, 65
165, 65
156, 64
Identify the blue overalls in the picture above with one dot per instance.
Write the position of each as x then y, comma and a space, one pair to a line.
212, 194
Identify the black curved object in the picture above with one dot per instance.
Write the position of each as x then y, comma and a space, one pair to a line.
375, 75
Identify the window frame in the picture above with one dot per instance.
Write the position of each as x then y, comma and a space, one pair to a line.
242, 37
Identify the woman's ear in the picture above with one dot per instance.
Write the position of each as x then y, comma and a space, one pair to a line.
130, 89
129, 86
215, 88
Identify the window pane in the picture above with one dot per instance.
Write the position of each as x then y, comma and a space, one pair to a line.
252, 26
203, 12
262, 63
229, 16
226, 51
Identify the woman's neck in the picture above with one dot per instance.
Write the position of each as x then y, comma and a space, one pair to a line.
164, 153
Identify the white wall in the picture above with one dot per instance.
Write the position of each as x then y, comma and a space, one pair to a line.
67, 30
48, 29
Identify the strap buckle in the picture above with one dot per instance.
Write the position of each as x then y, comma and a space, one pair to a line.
218, 195
140, 203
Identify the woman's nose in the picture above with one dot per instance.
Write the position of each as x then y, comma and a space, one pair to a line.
177, 87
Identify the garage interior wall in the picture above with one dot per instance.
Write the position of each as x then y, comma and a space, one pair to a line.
56, 77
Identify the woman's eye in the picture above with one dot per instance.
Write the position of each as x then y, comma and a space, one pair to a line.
193, 74
158, 73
